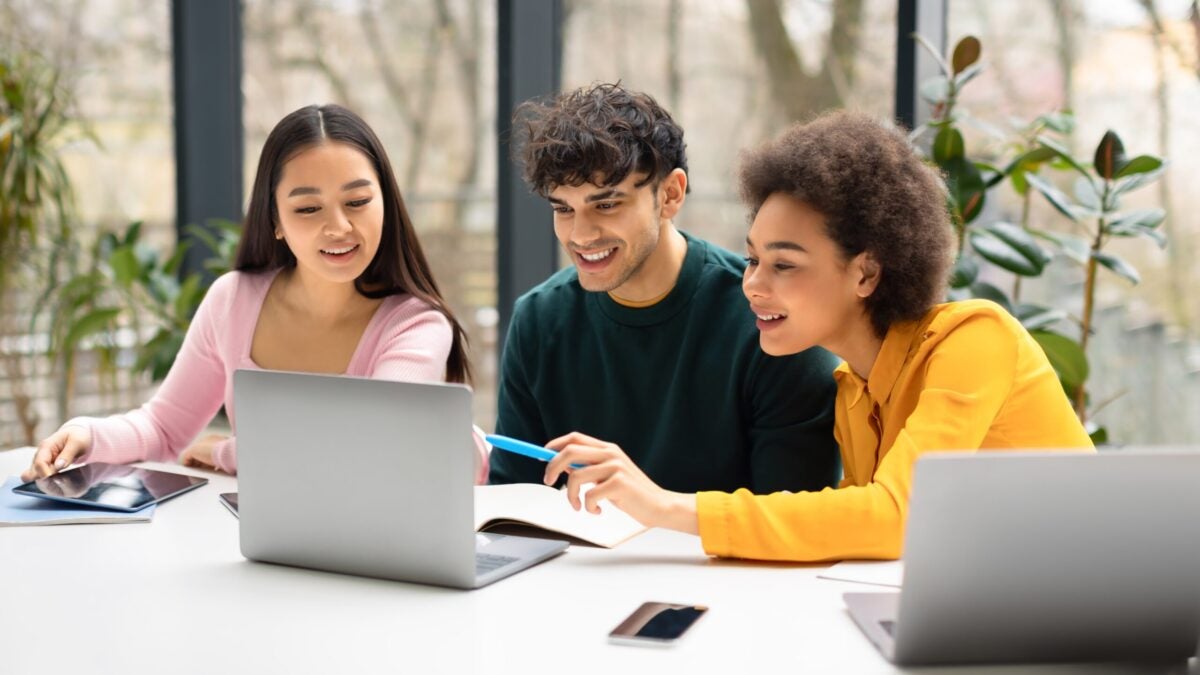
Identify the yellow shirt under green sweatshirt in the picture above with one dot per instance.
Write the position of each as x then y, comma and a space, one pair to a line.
967, 376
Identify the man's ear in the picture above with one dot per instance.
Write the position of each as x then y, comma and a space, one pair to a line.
672, 190
868, 272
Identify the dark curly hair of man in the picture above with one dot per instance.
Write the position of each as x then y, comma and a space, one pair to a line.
599, 133
876, 195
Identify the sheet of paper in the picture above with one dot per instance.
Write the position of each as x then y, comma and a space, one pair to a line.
18, 510
888, 573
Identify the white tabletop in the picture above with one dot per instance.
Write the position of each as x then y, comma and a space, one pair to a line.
175, 595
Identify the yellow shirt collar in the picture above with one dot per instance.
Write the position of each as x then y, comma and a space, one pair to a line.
901, 341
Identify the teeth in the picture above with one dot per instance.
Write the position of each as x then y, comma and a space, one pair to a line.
769, 317
593, 257
339, 251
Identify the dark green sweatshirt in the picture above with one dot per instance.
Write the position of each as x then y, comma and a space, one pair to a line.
681, 386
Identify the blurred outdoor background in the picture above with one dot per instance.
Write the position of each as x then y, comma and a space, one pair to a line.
423, 73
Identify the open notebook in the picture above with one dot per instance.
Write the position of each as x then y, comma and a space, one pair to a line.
542, 507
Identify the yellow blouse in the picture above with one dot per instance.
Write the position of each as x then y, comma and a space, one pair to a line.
967, 376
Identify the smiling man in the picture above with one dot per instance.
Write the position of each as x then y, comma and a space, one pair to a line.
646, 340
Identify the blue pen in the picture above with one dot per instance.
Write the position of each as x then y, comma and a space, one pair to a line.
522, 448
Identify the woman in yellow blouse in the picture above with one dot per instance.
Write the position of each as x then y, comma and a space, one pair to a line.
850, 249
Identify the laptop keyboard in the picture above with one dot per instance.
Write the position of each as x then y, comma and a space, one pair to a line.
485, 562
889, 627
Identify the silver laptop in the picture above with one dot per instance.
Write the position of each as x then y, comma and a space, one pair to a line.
1041, 557
366, 477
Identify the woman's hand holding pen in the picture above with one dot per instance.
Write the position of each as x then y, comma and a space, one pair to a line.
617, 479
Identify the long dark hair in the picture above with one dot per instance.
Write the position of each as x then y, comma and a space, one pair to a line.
399, 265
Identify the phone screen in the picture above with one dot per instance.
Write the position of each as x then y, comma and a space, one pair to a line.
657, 623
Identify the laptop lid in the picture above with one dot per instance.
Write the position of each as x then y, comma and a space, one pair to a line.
1036, 557
368, 477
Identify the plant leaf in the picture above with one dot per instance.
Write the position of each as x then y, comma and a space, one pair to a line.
1140, 164
133, 233
1055, 196
1063, 154
947, 145
1086, 195
1147, 218
986, 291
90, 323
1036, 317
1030, 160
1063, 122
124, 265
1000, 253
1138, 231
966, 53
967, 74
1118, 266
1065, 356
935, 90
964, 273
966, 186
1017, 178
1136, 181
190, 293
1110, 155
1021, 240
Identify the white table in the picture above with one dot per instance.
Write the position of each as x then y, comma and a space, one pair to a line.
176, 596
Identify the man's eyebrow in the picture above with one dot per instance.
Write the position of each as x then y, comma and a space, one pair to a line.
556, 200
607, 194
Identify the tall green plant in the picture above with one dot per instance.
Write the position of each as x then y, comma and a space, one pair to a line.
1030, 153
1096, 210
35, 195
125, 280
34, 121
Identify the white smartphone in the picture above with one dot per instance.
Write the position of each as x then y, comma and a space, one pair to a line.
657, 624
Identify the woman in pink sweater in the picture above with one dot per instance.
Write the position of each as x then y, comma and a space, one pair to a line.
330, 279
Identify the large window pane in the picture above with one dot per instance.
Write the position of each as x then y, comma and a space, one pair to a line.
423, 76
733, 74
113, 60
1131, 66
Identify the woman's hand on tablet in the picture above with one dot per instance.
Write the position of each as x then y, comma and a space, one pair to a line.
200, 454
59, 451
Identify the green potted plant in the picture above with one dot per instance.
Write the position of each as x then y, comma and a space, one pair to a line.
1031, 153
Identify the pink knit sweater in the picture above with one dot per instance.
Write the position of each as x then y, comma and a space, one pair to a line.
406, 340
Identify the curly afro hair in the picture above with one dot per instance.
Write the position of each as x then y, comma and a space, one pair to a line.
601, 132
876, 195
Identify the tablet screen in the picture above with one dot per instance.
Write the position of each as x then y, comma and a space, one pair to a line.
111, 486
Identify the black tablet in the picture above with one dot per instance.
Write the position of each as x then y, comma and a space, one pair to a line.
118, 487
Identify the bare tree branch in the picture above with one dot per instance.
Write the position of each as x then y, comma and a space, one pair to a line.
1179, 252
674, 39
396, 89
795, 92
316, 60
